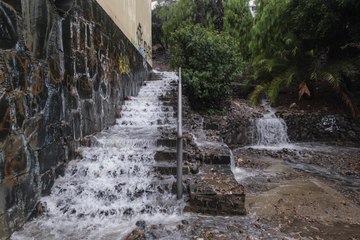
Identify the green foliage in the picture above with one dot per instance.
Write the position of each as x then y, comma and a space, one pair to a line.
156, 28
302, 42
238, 22
209, 63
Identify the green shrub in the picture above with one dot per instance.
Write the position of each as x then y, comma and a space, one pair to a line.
210, 62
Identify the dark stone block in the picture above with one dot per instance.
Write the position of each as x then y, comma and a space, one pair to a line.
18, 67
38, 19
8, 26
55, 69
85, 88
75, 32
96, 82
20, 110
35, 132
80, 62
217, 159
98, 113
16, 4
89, 36
63, 6
28, 103
83, 27
50, 156
16, 156
216, 154
92, 62
68, 53
53, 108
88, 118
60, 170
5, 121
211, 126
103, 89
47, 181
77, 125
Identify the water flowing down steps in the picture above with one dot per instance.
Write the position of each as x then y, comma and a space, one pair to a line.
115, 186
123, 185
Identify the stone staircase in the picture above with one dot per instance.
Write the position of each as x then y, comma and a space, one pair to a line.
214, 189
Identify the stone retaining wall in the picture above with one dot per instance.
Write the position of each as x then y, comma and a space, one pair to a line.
238, 125
308, 127
65, 69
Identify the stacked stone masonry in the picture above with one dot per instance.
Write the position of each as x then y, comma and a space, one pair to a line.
65, 69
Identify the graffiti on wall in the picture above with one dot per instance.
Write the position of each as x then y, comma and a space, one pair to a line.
124, 65
143, 47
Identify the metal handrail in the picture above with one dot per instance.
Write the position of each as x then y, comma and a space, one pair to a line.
179, 143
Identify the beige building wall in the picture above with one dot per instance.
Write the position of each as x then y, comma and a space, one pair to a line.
134, 18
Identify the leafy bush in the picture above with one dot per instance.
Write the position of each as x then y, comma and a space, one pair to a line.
210, 63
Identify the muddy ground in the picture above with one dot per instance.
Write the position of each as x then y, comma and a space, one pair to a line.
307, 203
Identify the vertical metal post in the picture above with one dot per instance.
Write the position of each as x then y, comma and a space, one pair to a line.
179, 143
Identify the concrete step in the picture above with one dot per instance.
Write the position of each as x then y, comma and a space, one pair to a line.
167, 168
162, 142
215, 191
169, 155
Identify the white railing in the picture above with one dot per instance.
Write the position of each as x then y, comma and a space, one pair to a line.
179, 143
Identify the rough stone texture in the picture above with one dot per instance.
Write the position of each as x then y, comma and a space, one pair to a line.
65, 69
304, 127
238, 125
216, 192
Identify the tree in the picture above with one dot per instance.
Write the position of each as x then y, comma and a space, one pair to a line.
176, 15
303, 42
238, 22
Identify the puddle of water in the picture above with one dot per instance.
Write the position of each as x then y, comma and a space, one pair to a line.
241, 174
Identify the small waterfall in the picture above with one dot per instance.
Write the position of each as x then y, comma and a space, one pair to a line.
269, 129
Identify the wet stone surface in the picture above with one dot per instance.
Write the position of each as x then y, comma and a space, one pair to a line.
215, 191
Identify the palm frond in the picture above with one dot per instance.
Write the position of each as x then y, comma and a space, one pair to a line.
333, 78
274, 87
257, 94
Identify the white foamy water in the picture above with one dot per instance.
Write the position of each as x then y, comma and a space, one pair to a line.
270, 130
104, 194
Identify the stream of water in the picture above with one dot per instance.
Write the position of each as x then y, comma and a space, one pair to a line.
105, 194
270, 130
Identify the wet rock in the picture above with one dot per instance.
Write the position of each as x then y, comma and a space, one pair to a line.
128, 212
217, 193
141, 224
194, 168
39, 210
185, 222
136, 234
